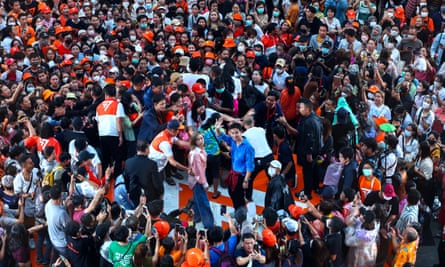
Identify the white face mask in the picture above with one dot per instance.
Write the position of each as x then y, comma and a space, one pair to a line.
132, 38
425, 105
102, 52
96, 78
424, 14
372, 24
436, 84
125, 4
160, 57
91, 33
241, 48
390, 45
271, 172
394, 33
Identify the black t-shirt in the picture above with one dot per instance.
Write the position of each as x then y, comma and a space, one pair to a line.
241, 253
391, 207
334, 242
79, 251
285, 156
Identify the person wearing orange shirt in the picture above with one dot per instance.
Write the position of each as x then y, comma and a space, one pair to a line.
428, 23
406, 248
65, 46
25, 31
15, 9
368, 182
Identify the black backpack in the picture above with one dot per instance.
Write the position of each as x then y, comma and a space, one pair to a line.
225, 258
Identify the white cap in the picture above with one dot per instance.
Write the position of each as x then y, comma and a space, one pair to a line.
275, 164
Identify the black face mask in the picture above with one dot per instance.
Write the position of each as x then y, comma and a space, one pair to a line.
34, 64
84, 38
69, 41
431, 141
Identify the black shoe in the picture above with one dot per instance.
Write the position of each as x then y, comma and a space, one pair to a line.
170, 181
178, 176
39, 261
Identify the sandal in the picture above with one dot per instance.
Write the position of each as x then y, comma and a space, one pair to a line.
216, 194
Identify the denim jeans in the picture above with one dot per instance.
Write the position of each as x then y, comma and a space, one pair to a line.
42, 235
201, 207
121, 197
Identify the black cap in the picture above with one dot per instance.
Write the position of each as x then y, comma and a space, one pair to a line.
85, 155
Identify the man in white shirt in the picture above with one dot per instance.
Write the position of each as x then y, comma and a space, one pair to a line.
256, 136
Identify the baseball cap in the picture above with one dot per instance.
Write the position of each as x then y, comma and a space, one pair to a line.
85, 155
281, 62
275, 164
388, 192
269, 238
173, 125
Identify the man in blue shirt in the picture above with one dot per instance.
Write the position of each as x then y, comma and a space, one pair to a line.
243, 156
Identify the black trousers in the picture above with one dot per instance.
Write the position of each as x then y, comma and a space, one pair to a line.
111, 153
260, 164
237, 195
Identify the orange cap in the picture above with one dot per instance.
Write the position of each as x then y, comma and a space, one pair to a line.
163, 228
47, 94
179, 29
350, 14
229, 43
197, 88
210, 55
196, 54
149, 36
14, 50
380, 120
269, 238
110, 80
85, 60
237, 16
296, 211
373, 88
250, 54
209, 43
125, 83
63, 6
74, 10
194, 257
45, 10
27, 75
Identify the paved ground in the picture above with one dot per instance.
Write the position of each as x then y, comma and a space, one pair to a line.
427, 255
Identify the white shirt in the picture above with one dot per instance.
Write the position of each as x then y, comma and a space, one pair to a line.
161, 157
257, 138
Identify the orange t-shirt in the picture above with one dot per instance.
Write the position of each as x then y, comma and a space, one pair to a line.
175, 254
289, 103
365, 186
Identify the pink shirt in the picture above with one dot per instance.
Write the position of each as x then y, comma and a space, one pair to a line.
198, 163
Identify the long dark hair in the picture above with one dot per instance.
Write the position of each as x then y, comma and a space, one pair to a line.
227, 73
18, 237
198, 103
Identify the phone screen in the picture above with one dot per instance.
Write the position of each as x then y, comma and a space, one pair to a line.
223, 210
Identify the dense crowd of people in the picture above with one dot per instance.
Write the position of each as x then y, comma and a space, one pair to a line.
105, 104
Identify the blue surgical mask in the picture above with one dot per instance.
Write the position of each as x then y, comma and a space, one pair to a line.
276, 13
367, 172
257, 53
148, 6
324, 50
302, 47
220, 90
260, 10
407, 133
30, 89
249, 22
143, 25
